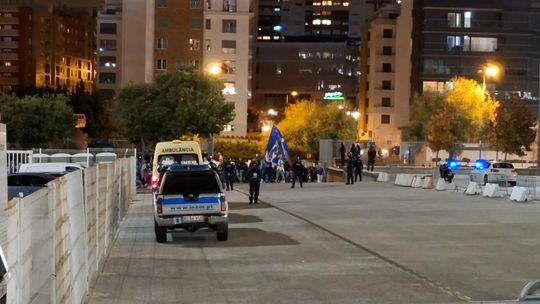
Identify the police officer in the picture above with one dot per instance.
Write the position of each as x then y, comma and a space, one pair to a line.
228, 170
254, 175
298, 172
358, 166
350, 166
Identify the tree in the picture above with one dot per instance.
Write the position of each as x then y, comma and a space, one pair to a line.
478, 110
333, 124
446, 128
34, 120
512, 129
424, 108
183, 102
97, 110
306, 123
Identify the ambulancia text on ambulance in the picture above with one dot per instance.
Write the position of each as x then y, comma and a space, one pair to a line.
179, 152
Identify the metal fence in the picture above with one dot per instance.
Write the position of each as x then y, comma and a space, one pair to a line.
59, 236
15, 158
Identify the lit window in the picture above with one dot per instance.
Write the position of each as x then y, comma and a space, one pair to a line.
207, 44
229, 26
230, 88
194, 44
327, 3
326, 22
230, 67
7, 63
316, 22
467, 19
345, 3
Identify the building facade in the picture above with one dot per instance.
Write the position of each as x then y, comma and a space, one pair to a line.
462, 38
308, 47
377, 98
227, 45
47, 45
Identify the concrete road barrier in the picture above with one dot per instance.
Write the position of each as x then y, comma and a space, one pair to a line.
428, 182
418, 181
519, 194
491, 190
383, 177
442, 185
473, 188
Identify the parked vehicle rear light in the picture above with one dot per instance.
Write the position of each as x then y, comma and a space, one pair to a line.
223, 203
494, 170
155, 182
159, 205
514, 171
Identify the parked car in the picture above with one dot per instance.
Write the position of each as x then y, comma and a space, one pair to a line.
51, 168
496, 172
26, 183
190, 197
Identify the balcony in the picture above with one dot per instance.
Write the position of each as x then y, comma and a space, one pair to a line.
9, 69
9, 20
9, 56
382, 110
9, 44
9, 81
10, 32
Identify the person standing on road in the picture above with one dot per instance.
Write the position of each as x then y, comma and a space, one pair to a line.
228, 170
298, 172
320, 173
280, 171
358, 167
371, 157
350, 167
254, 175
342, 154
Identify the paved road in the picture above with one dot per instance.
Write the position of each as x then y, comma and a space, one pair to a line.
331, 243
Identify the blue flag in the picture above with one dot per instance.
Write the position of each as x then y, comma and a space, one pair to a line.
277, 147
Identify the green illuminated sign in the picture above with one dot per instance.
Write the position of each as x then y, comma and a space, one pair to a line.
334, 96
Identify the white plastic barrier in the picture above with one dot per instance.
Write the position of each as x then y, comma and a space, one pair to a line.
418, 181
442, 185
383, 177
519, 194
428, 182
404, 180
473, 188
59, 236
491, 190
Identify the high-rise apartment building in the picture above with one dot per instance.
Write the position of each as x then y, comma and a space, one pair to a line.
377, 82
125, 44
228, 44
439, 39
178, 35
43, 44
308, 47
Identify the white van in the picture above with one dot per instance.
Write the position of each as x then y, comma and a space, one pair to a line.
58, 168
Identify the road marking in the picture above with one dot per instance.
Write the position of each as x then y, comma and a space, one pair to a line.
444, 288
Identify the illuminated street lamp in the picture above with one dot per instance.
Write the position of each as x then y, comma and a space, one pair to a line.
490, 71
266, 128
215, 69
293, 94
272, 112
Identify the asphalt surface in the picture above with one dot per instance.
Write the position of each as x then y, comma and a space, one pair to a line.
331, 243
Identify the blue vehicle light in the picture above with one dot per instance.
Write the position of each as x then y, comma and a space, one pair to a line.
453, 164
188, 167
480, 164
